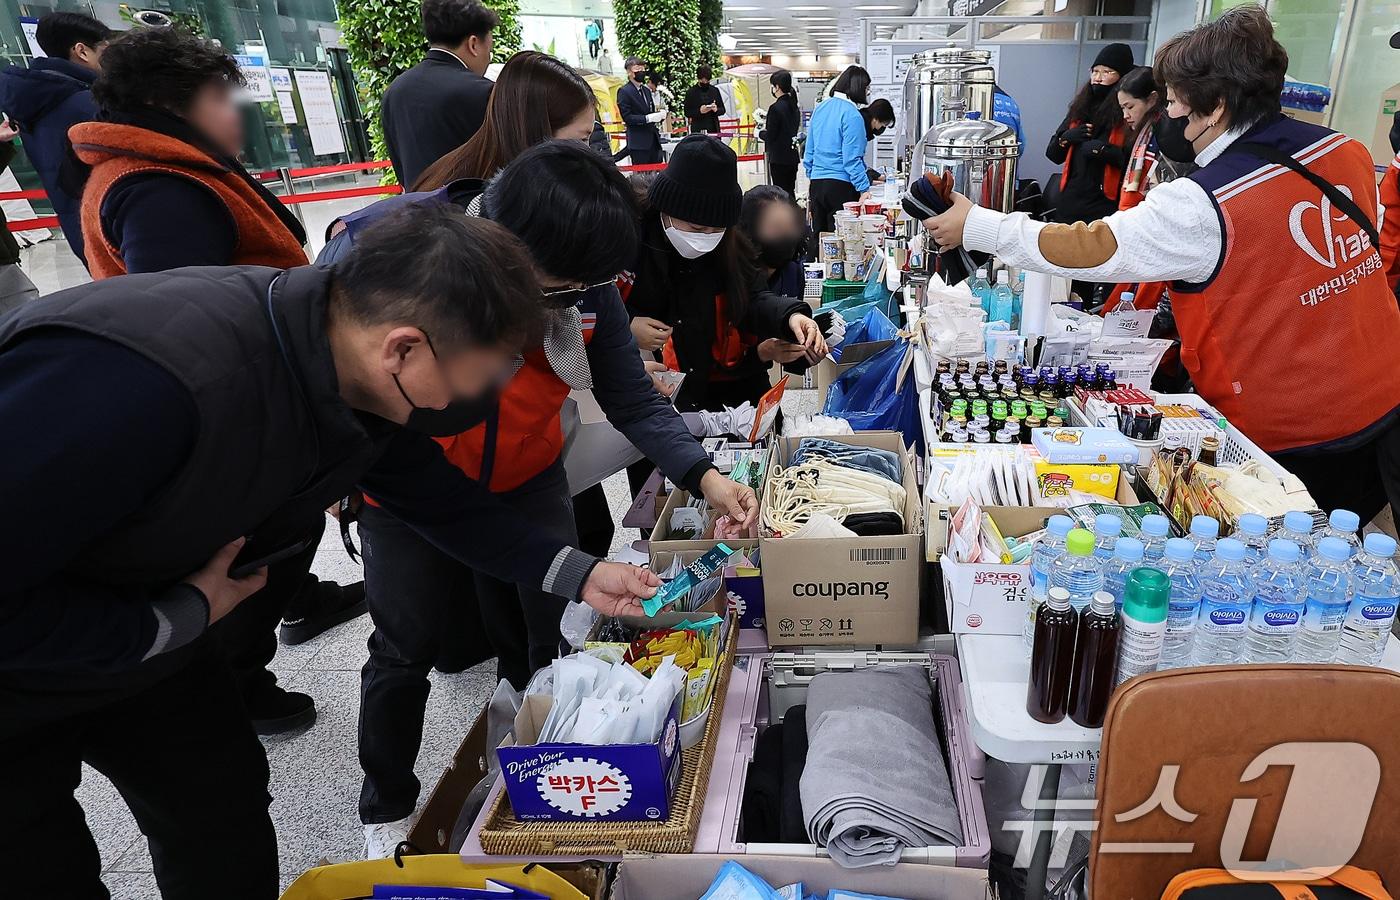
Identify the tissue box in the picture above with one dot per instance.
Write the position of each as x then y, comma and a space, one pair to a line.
574, 782
990, 598
1083, 445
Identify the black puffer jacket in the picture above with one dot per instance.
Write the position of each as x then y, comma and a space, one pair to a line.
681, 292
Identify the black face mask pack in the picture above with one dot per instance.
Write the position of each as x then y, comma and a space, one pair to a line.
1172, 141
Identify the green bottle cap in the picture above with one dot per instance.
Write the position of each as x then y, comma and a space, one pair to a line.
1146, 594
1080, 542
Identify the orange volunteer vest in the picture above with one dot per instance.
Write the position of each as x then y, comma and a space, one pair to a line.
1293, 338
116, 151
1390, 227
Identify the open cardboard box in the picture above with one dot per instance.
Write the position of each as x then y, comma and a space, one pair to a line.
857, 591
746, 583
577, 782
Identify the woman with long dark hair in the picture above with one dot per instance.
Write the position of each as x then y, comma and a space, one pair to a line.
835, 156
781, 127
697, 295
1091, 142
536, 98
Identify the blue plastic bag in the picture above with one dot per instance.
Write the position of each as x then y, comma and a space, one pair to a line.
871, 325
872, 396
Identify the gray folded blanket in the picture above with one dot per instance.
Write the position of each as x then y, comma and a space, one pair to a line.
875, 780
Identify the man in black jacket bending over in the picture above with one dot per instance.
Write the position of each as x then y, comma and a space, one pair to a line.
164, 436
437, 105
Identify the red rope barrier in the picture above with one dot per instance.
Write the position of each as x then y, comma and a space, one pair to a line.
31, 224
367, 191
36, 194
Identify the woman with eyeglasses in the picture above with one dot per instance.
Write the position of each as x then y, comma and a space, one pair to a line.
575, 214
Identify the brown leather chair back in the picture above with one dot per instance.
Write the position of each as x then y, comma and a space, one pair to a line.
1213, 723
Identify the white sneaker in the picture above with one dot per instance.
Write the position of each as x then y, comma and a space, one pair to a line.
381, 839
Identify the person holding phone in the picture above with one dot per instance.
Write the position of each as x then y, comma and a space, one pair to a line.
211, 409
704, 104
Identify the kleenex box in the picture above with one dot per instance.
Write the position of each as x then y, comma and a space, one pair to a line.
1083, 445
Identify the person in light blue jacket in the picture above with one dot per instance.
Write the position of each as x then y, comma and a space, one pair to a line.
835, 156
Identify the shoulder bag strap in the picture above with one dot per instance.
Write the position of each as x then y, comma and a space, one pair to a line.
1339, 200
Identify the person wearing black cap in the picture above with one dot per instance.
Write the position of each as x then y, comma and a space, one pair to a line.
696, 294
1090, 143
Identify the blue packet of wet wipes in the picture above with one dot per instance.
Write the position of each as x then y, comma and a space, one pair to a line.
707, 565
734, 882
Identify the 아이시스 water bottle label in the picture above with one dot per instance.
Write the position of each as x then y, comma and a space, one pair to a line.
1371, 613
1181, 616
1323, 617
1278, 618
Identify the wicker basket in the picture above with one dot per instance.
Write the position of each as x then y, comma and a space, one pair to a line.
504, 834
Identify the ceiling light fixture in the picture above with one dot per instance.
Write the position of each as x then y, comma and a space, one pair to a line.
727, 41
876, 8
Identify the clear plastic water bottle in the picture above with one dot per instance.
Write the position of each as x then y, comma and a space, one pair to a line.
1046, 550
1297, 527
1077, 570
1002, 302
1343, 524
982, 290
1127, 555
1227, 593
1154, 533
1252, 530
1375, 586
1179, 563
1107, 527
1204, 531
1329, 596
1280, 594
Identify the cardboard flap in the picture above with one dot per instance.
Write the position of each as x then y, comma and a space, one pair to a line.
1314, 748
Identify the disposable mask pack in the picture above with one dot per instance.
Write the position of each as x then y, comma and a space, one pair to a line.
798, 492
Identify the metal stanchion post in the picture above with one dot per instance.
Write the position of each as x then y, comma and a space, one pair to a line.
285, 174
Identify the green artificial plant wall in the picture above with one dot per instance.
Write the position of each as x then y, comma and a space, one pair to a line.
711, 21
665, 35
385, 39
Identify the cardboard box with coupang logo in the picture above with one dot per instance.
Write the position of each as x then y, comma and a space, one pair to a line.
857, 591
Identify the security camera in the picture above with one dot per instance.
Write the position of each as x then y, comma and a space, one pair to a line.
152, 19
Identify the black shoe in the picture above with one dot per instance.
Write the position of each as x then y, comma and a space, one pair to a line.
281, 712
330, 604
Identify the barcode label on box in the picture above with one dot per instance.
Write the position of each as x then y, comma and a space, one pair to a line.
879, 554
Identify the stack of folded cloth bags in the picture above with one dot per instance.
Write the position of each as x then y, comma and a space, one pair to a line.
857, 770
875, 781
836, 490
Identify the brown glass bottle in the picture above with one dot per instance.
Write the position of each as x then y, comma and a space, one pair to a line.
1052, 658
1095, 661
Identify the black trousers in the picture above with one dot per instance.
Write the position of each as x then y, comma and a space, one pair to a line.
824, 199
1363, 479
248, 635
414, 591
644, 157
594, 522
186, 761
784, 176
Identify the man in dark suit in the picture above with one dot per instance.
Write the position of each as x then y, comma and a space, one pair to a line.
638, 110
437, 105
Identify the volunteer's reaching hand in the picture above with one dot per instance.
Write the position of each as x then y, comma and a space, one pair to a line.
780, 351
651, 334
809, 335
947, 229
730, 498
220, 591
617, 589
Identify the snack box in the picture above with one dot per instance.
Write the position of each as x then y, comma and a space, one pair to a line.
1082, 446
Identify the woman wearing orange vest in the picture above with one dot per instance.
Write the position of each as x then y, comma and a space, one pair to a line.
1390, 200
1287, 324
165, 187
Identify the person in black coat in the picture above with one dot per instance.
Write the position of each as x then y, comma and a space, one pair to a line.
778, 134
704, 104
638, 110
696, 295
437, 105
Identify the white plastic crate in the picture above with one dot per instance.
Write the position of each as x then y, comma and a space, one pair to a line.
1235, 449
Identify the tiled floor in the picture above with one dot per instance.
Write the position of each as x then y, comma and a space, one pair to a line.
315, 775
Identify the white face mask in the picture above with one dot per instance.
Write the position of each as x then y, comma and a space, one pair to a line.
692, 244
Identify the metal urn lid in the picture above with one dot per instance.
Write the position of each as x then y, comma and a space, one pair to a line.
952, 55
971, 137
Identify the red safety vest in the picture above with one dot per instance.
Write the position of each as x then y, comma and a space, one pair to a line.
1293, 339
1390, 227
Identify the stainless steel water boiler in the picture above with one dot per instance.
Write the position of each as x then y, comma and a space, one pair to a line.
979, 152
935, 79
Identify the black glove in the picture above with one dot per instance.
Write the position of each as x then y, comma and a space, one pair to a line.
1076, 135
1094, 147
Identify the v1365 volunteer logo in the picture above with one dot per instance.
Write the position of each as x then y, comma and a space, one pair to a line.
1327, 249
